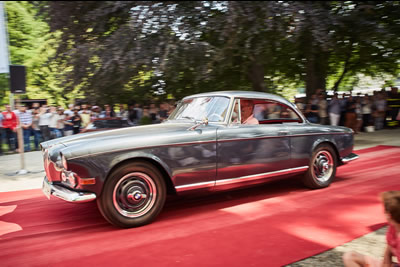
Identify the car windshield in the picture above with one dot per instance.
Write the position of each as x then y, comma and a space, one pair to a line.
213, 109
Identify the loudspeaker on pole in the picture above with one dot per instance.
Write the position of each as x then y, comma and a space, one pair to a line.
17, 79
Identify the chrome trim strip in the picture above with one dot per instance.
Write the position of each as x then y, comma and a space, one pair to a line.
67, 194
239, 179
260, 176
185, 187
278, 136
350, 157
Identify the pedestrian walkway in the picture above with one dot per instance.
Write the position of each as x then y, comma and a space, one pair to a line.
10, 165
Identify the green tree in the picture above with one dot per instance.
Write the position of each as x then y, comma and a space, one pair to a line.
31, 44
195, 46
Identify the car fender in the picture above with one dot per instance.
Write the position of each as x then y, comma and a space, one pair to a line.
139, 155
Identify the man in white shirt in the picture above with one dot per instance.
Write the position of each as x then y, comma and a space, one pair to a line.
70, 111
44, 121
25, 120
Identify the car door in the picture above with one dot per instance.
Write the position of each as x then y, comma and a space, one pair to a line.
246, 152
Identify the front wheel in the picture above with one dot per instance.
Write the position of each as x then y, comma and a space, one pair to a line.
133, 195
322, 167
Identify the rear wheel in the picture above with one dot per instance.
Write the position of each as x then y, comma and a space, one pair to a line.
322, 167
133, 195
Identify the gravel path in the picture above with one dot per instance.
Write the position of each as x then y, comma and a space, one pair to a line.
372, 244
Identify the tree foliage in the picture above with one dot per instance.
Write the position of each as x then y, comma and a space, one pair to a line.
118, 51
31, 44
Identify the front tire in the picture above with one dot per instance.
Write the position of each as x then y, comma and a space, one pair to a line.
322, 167
133, 195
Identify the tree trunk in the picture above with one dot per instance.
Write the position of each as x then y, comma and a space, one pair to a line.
316, 72
256, 77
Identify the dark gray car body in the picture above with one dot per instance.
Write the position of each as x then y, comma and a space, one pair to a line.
206, 157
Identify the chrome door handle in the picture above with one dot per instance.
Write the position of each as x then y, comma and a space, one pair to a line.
283, 132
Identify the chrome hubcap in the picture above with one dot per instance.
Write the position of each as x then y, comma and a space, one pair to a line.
134, 194
322, 166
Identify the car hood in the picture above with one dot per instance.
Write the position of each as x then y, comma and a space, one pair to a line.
134, 137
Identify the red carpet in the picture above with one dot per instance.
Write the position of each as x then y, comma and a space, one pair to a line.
271, 225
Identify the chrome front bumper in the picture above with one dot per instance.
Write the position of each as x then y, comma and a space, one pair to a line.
349, 158
65, 193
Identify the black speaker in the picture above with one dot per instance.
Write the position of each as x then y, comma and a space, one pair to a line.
17, 79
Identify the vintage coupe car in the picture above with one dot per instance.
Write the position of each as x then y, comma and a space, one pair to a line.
205, 145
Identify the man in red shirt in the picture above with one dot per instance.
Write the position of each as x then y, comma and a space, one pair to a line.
10, 122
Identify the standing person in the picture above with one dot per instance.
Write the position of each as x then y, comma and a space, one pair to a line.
153, 111
334, 110
322, 109
145, 119
60, 122
351, 116
359, 117
132, 115
122, 113
95, 113
314, 99
68, 125
108, 112
10, 123
366, 110
53, 121
1, 133
311, 112
391, 205
85, 115
393, 107
139, 112
163, 112
343, 105
25, 120
70, 111
35, 128
44, 121
76, 120
380, 109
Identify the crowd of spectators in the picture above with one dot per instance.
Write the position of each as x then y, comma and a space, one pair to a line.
358, 112
42, 123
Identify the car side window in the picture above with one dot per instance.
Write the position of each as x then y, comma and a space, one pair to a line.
263, 111
270, 112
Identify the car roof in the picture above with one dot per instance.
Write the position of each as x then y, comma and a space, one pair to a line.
243, 94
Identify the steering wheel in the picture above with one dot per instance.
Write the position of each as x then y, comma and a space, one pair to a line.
219, 117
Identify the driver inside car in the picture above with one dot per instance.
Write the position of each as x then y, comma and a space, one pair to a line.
246, 109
